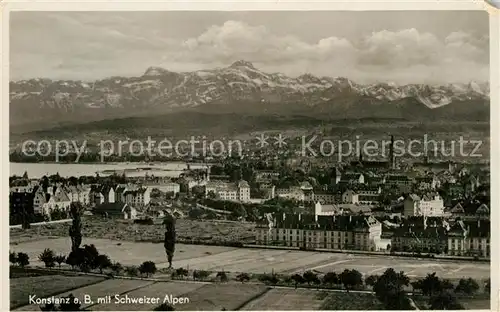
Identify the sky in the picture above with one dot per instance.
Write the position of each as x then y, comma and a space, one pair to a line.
386, 46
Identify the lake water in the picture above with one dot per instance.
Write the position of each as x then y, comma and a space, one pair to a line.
37, 170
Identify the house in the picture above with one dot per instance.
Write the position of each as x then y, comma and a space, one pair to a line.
350, 197
369, 194
116, 210
229, 191
39, 199
401, 182
430, 204
20, 203
292, 192
426, 183
165, 187
100, 194
470, 238
140, 196
59, 201
352, 178
324, 197
421, 234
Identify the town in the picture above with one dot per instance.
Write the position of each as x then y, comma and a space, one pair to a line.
430, 207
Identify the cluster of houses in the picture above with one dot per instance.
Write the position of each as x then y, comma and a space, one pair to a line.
123, 199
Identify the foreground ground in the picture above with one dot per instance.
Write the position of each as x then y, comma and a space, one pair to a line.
198, 296
252, 260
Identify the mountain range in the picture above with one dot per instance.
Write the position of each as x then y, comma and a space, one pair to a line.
239, 88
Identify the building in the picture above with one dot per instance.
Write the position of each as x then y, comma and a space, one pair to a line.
165, 187
101, 194
427, 183
421, 234
229, 191
21, 205
59, 201
321, 232
116, 210
292, 192
428, 205
470, 238
401, 182
352, 178
350, 197
324, 197
137, 197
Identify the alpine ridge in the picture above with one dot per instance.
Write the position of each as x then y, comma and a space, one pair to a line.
240, 85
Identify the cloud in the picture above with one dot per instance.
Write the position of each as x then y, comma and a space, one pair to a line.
91, 47
406, 55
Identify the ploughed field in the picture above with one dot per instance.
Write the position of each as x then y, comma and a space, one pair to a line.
254, 260
205, 231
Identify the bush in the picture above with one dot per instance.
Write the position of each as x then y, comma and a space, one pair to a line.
200, 275
222, 276
13, 258
243, 277
116, 267
148, 268
132, 271
164, 307
103, 262
59, 259
47, 257
23, 259
467, 286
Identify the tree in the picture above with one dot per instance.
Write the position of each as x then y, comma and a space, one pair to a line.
467, 286
131, 270
148, 268
103, 262
222, 276
430, 285
309, 277
331, 278
59, 259
75, 258
371, 280
75, 231
47, 257
487, 286
200, 275
181, 272
243, 277
23, 259
298, 279
13, 258
444, 301
351, 279
116, 267
170, 237
164, 307
90, 258
389, 289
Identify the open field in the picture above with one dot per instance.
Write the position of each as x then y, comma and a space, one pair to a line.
287, 299
221, 296
160, 290
254, 260
42, 286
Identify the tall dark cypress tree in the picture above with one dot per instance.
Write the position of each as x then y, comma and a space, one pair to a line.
75, 231
169, 242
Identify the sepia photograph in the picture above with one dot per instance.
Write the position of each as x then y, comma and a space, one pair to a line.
249, 160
